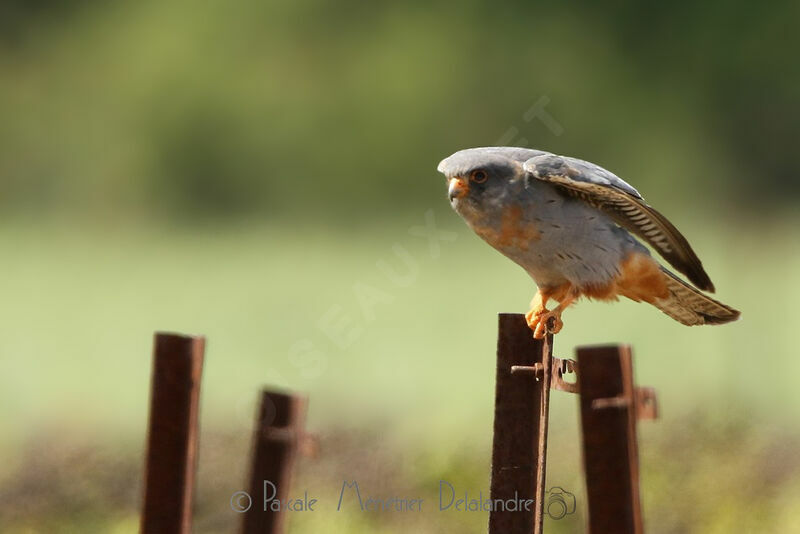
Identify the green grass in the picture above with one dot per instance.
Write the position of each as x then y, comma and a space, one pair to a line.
417, 372
80, 307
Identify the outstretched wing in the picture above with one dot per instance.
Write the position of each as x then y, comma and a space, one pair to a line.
607, 192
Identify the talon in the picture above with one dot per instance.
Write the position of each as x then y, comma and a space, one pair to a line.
534, 316
556, 325
540, 331
539, 317
548, 322
538, 308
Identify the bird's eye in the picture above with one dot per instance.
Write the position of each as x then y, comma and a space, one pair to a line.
479, 176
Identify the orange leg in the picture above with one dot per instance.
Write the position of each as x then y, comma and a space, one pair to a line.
538, 307
539, 322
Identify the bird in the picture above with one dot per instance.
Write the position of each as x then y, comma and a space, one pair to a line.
573, 227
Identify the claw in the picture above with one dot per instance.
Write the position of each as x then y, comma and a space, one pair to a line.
548, 323
544, 321
534, 316
538, 308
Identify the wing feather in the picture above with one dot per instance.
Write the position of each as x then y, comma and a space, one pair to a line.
610, 194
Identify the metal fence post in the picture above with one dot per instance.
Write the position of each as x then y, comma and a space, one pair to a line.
610, 406
172, 435
277, 435
520, 426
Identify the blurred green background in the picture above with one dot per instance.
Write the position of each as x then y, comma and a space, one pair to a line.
253, 170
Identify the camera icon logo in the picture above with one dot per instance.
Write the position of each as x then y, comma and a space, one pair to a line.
559, 503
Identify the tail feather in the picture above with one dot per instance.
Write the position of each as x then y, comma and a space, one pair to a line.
689, 306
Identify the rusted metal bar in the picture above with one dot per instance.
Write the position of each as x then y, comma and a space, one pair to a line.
520, 426
544, 418
172, 436
560, 368
277, 436
610, 405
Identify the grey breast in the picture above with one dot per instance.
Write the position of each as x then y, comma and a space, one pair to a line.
576, 243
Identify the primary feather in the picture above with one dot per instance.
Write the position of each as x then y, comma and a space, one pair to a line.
607, 192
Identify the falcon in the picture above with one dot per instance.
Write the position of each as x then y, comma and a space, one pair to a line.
571, 225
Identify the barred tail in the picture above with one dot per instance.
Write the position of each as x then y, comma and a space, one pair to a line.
689, 306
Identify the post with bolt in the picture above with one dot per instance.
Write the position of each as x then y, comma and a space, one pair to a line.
610, 406
520, 426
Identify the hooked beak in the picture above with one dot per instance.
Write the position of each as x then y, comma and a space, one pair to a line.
457, 188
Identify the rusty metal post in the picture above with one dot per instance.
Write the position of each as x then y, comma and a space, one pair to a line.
610, 405
520, 425
278, 433
172, 436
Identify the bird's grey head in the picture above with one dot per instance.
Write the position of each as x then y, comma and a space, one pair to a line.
478, 178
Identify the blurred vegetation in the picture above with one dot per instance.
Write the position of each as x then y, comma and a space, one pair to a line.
80, 487
342, 109
406, 403
237, 169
